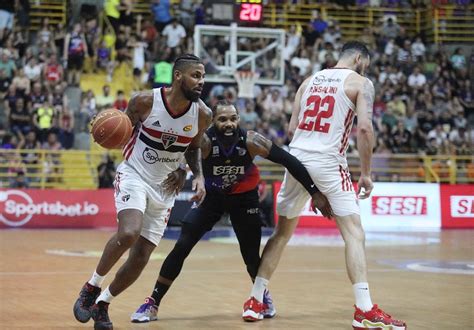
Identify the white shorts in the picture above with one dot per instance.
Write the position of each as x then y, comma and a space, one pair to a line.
332, 179
132, 192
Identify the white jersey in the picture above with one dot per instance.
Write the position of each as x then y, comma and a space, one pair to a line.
326, 115
157, 144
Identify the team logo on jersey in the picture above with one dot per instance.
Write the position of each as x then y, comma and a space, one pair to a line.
150, 156
215, 151
241, 151
125, 198
168, 139
156, 123
187, 128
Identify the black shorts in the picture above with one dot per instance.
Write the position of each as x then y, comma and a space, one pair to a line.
244, 210
75, 62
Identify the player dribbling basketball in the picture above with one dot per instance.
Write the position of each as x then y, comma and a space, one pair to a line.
169, 124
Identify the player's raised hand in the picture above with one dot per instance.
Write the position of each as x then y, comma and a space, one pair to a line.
365, 187
199, 187
320, 202
174, 183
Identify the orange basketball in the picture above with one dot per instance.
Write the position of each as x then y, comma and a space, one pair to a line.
111, 128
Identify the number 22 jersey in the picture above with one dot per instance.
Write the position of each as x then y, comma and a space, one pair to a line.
326, 115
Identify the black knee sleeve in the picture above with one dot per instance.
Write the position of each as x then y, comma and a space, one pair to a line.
174, 261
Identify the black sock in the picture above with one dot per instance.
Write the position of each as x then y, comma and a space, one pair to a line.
159, 292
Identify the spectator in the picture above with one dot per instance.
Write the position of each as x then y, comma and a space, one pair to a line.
417, 80
319, 25
161, 13
75, 50
20, 182
458, 59
175, 34
7, 9
20, 117
43, 119
7, 64
106, 172
66, 128
121, 102
401, 138
33, 69
418, 50
22, 83
249, 118
390, 29
88, 109
105, 100
112, 11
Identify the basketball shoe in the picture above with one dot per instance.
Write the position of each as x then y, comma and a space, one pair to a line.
375, 319
146, 312
253, 310
100, 315
269, 310
87, 297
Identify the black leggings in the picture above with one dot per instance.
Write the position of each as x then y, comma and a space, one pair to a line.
248, 236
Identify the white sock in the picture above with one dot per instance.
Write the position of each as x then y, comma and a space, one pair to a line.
105, 296
362, 296
96, 280
258, 288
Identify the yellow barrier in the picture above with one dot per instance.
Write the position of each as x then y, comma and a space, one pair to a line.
77, 169
54, 10
439, 24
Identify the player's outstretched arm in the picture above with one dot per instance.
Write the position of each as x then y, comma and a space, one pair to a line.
193, 153
139, 107
261, 146
365, 135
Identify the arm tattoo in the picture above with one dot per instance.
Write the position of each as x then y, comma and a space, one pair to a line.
132, 110
368, 93
193, 158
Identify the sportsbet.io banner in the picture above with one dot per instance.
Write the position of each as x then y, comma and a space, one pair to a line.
51, 208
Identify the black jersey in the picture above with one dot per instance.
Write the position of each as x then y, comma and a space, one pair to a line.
229, 170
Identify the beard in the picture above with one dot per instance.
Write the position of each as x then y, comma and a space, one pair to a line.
189, 94
227, 140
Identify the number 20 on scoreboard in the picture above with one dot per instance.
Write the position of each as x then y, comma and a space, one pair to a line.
249, 11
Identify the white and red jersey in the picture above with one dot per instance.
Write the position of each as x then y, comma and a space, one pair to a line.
158, 144
326, 115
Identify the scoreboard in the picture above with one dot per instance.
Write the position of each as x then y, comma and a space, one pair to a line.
243, 12
249, 11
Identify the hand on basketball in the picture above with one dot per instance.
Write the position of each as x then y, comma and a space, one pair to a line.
198, 186
365, 187
174, 183
320, 202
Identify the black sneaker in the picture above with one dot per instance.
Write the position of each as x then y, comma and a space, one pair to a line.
87, 297
100, 315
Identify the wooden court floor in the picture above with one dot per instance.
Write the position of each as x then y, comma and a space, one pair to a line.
310, 288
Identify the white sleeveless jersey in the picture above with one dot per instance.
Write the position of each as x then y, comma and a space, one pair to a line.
326, 115
158, 144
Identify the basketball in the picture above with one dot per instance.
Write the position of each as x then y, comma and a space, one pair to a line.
111, 128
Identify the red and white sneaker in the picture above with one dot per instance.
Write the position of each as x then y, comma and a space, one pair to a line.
375, 319
253, 310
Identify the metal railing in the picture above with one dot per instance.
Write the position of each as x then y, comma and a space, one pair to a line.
77, 169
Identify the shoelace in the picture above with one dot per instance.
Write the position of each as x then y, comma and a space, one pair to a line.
379, 311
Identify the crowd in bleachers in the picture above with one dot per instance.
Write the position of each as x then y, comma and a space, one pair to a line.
424, 101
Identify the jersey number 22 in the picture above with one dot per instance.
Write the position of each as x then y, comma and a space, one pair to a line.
318, 109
